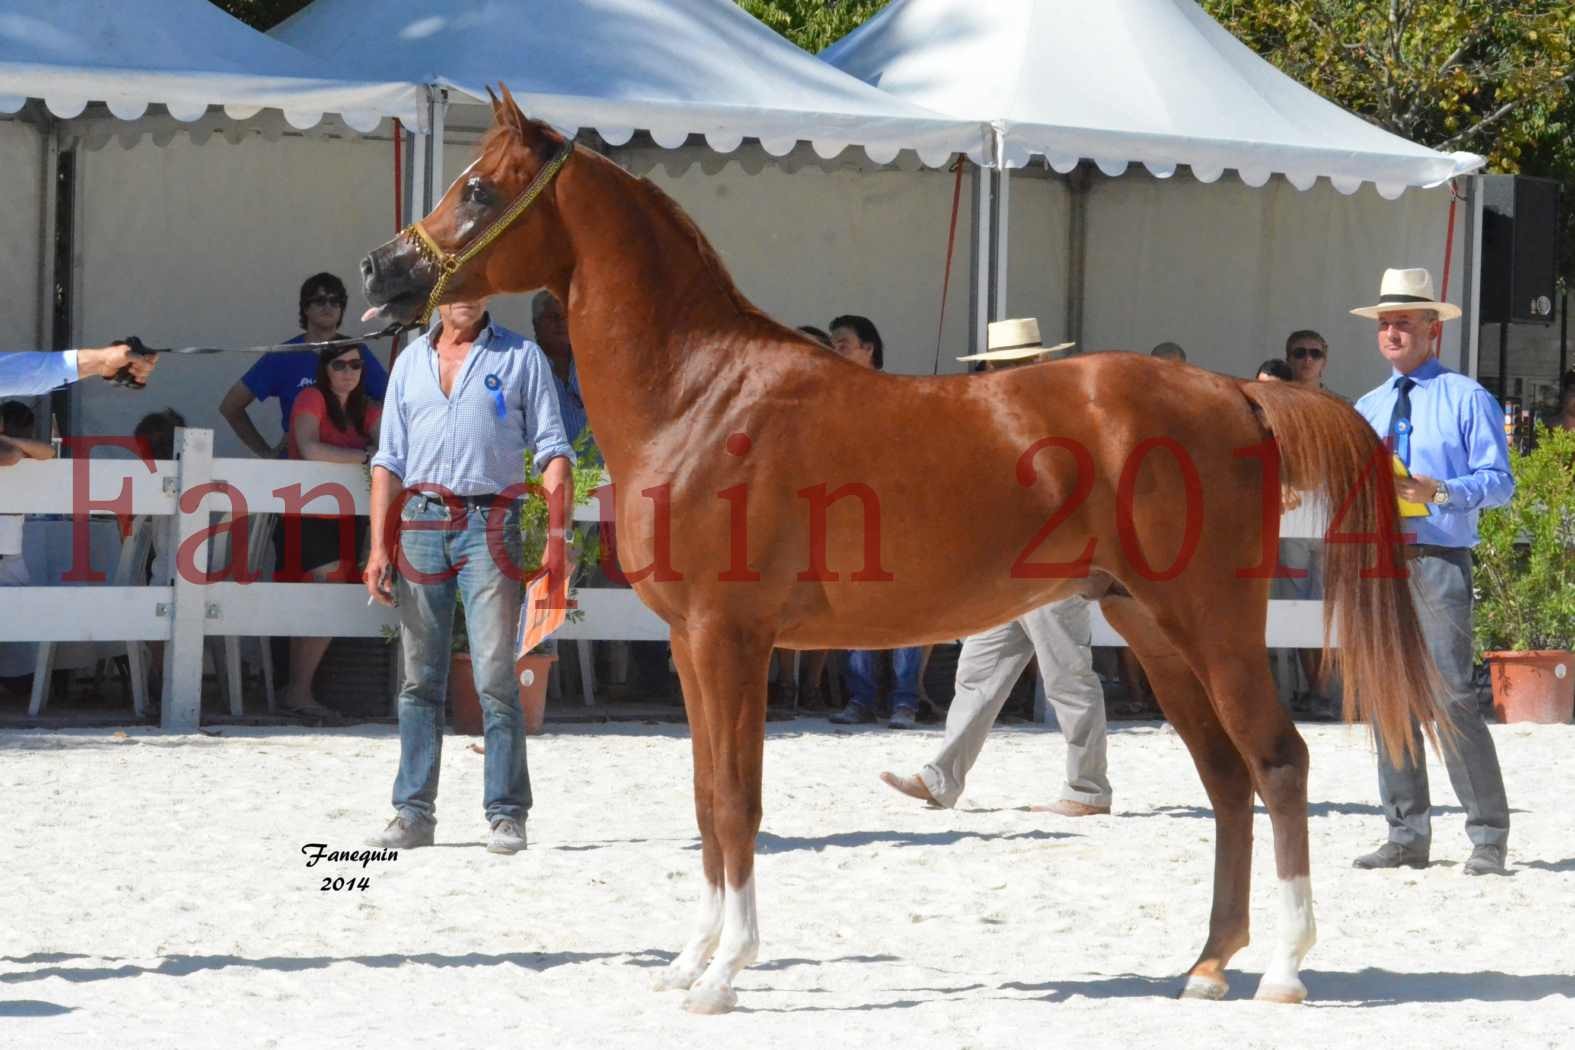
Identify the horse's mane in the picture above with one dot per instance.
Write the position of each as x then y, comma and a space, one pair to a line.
661, 206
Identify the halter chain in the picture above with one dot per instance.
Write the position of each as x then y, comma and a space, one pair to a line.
450, 263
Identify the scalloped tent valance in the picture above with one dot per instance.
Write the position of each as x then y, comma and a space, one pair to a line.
671, 68
1119, 82
182, 54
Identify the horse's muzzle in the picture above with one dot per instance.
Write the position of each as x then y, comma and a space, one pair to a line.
397, 278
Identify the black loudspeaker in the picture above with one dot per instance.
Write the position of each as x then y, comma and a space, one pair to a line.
1519, 249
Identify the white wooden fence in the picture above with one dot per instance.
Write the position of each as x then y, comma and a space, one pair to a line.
194, 486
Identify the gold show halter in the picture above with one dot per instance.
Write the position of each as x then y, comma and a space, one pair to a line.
450, 263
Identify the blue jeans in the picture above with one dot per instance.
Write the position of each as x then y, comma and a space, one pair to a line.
426, 613
864, 677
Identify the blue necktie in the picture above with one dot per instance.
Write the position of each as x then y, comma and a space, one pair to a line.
1400, 421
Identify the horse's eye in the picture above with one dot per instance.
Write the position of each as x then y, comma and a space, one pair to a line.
477, 192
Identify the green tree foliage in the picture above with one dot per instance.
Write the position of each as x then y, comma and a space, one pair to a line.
813, 24
1525, 564
1494, 77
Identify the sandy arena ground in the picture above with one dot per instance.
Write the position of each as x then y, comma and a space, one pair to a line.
153, 893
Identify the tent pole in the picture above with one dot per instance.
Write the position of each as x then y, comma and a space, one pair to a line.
416, 170
1001, 260
1471, 279
1078, 182
49, 171
435, 184
982, 256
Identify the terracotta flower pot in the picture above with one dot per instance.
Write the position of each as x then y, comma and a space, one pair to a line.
465, 705
532, 670
1536, 686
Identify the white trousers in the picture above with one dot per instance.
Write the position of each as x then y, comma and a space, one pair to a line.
991, 662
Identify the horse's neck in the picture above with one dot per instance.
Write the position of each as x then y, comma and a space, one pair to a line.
650, 314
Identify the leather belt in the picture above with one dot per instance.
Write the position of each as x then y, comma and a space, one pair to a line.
481, 502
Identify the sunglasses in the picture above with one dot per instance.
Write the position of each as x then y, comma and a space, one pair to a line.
327, 300
1307, 351
349, 365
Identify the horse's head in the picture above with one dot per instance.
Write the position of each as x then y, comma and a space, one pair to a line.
473, 244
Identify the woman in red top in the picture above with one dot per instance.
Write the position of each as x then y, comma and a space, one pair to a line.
336, 422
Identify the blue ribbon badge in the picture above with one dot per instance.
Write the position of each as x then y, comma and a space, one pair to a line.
499, 405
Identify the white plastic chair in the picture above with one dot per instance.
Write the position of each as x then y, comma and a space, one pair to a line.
129, 567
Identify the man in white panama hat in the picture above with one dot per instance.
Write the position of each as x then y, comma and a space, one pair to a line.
1449, 433
990, 662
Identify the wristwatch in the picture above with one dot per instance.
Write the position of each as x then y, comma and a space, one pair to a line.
1440, 494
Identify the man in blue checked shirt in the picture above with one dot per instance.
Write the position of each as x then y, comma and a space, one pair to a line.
466, 402
1449, 432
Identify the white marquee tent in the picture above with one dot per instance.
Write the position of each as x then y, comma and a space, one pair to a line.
1158, 83
152, 255
186, 55
672, 68
1155, 82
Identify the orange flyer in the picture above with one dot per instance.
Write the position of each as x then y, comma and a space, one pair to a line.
538, 616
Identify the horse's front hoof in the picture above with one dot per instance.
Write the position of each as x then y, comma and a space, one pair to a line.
1203, 988
713, 999
1280, 992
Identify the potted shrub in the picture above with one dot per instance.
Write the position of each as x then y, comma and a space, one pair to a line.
535, 666
1525, 585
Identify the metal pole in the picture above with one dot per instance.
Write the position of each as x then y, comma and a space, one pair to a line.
1002, 262
1471, 278
1503, 359
1078, 182
982, 256
1564, 332
436, 186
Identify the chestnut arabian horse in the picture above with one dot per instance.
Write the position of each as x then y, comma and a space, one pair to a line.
769, 493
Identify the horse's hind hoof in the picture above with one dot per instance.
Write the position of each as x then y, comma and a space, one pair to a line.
1203, 988
669, 979
1281, 993
717, 999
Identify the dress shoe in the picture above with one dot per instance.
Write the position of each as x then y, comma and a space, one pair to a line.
1485, 860
1392, 855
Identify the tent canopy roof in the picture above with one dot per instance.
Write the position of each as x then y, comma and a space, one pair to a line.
185, 54
672, 68
1155, 82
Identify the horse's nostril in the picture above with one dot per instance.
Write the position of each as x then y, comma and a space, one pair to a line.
368, 268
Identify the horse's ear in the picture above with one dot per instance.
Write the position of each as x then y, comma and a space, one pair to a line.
494, 99
509, 113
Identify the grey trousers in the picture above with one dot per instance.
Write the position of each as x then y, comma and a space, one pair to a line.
1441, 587
986, 669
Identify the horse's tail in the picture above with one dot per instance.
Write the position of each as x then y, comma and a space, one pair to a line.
1327, 449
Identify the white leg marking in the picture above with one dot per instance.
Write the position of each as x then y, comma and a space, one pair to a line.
682, 971
740, 943
1297, 934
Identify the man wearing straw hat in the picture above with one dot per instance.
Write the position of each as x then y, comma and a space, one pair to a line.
1058, 633
1448, 432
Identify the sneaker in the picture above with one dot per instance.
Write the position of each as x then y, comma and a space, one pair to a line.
403, 834
901, 718
1392, 855
1485, 860
508, 836
854, 714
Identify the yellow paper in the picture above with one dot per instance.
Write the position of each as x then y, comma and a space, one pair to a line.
1407, 508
